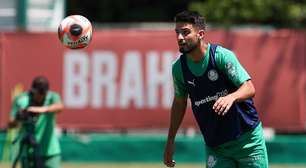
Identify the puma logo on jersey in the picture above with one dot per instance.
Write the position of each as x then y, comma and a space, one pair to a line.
191, 83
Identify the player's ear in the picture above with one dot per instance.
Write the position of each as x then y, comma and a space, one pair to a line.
201, 34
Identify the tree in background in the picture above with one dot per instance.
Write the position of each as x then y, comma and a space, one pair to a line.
278, 13
127, 10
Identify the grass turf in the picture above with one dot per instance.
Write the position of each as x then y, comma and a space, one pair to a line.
145, 165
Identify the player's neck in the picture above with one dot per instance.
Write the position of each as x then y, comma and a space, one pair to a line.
198, 53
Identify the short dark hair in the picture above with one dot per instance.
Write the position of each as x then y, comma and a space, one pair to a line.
192, 17
40, 84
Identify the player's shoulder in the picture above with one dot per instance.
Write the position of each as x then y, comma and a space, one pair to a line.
176, 65
222, 51
53, 96
23, 97
223, 56
53, 93
177, 61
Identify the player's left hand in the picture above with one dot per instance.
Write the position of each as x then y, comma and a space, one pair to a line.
223, 104
40, 109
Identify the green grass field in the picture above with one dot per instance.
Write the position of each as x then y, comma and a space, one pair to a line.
143, 165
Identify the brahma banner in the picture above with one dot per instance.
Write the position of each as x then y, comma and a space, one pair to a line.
123, 79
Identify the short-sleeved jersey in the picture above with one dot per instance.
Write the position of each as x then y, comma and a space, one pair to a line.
204, 89
45, 124
226, 61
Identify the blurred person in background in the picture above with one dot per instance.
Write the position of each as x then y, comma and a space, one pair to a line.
35, 111
221, 94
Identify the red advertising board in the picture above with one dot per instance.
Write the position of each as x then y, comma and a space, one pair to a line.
123, 79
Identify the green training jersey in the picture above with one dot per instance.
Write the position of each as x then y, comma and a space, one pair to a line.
226, 61
45, 124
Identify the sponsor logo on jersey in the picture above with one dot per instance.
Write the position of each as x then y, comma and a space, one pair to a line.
231, 69
211, 98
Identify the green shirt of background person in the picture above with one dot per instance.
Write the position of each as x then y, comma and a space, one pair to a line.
43, 105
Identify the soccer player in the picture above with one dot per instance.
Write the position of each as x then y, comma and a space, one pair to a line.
35, 112
220, 91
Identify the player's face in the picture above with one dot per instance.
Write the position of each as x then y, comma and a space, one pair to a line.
187, 37
38, 98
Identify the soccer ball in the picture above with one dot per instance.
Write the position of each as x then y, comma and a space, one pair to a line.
75, 31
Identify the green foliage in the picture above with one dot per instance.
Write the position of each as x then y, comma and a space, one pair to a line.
278, 13
117, 11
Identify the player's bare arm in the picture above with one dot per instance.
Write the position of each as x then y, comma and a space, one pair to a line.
245, 91
56, 107
177, 114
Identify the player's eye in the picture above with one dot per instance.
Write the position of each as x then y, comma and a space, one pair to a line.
185, 32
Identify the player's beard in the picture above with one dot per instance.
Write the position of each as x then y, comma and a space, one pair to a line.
188, 47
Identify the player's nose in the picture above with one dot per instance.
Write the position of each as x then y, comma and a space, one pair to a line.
179, 36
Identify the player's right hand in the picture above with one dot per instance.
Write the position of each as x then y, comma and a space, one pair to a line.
168, 154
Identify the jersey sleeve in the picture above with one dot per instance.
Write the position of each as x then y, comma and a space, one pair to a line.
228, 63
178, 79
14, 109
20, 102
55, 98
